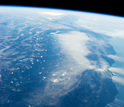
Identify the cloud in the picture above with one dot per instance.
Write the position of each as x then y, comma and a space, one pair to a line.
52, 13
119, 80
117, 103
116, 33
74, 62
74, 45
105, 24
117, 70
70, 64
116, 58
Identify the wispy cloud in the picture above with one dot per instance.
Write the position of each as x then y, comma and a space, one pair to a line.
118, 79
117, 70
121, 59
119, 73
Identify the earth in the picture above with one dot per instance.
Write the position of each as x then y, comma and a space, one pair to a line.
60, 58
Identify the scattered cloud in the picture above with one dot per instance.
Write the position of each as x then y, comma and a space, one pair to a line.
74, 49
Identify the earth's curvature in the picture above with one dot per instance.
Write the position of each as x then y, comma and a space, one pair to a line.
60, 58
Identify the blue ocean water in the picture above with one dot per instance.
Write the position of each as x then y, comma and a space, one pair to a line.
30, 80
118, 46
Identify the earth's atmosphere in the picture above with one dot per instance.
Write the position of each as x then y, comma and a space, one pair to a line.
60, 58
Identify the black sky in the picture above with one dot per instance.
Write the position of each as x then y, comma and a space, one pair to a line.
107, 7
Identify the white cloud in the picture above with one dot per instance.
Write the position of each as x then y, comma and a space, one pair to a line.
63, 77
74, 45
104, 66
52, 13
116, 33
105, 24
116, 58
117, 70
119, 80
